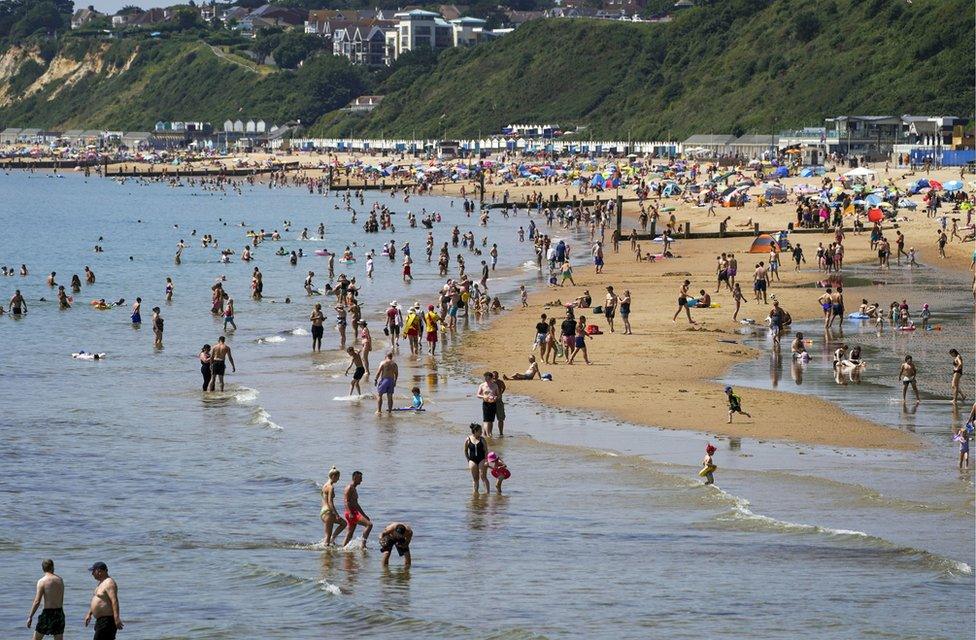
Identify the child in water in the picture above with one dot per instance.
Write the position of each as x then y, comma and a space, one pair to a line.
708, 466
962, 437
735, 404
499, 470
416, 401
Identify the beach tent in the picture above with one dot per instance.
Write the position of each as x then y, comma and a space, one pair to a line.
810, 172
935, 185
781, 172
763, 244
905, 203
873, 200
860, 172
954, 185
671, 189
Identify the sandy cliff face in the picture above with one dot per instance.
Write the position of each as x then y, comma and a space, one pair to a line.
60, 73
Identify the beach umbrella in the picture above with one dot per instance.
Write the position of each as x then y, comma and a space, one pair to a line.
873, 199
875, 215
935, 185
954, 185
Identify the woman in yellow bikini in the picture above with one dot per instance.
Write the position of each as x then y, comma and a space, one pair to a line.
329, 514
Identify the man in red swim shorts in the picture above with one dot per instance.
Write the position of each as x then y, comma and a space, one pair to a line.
354, 512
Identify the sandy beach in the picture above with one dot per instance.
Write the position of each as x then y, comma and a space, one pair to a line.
664, 374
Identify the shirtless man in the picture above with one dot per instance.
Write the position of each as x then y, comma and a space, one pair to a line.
907, 375
355, 515
104, 604
50, 588
17, 304
836, 307
396, 535
355, 360
317, 319
385, 381
488, 392
610, 307
220, 353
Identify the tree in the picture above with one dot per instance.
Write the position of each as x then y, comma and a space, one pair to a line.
43, 16
186, 18
805, 26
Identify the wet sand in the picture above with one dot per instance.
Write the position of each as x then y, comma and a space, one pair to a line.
664, 375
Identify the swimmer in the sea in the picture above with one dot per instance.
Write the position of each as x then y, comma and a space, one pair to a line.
329, 514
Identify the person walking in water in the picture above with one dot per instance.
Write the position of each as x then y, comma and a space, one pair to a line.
104, 604
50, 590
355, 361
329, 514
354, 514
385, 381
137, 312
229, 314
218, 355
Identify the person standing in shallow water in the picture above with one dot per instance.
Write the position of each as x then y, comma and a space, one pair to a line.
50, 589
317, 319
476, 453
104, 604
205, 365
157, 326
219, 354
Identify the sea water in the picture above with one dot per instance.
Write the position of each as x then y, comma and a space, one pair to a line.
205, 507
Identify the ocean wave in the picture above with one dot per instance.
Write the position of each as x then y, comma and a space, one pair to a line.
298, 331
270, 340
245, 395
330, 588
741, 517
262, 418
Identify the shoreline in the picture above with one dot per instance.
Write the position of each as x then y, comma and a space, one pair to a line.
666, 375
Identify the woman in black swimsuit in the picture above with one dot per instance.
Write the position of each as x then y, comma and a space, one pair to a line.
205, 362
476, 452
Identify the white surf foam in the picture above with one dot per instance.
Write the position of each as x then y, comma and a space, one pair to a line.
270, 340
245, 395
353, 398
330, 588
262, 418
299, 332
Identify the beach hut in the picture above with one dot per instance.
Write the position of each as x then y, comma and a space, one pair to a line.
763, 244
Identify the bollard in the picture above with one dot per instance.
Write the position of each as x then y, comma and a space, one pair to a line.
687, 230
756, 228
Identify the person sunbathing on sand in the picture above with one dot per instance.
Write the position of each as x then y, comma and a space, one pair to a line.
530, 373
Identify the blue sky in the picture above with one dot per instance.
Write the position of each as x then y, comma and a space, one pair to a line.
111, 6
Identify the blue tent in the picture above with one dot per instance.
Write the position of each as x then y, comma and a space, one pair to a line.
953, 185
781, 172
873, 200
671, 189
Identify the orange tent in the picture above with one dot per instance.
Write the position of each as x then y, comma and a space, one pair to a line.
763, 243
